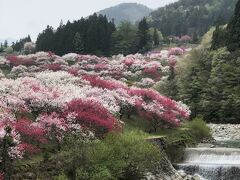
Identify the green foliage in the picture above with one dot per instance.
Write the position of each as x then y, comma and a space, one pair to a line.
206, 41
156, 36
6, 144
97, 172
192, 17
190, 134
96, 35
208, 81
198, 129
8, 50
118, 156
127, 155
221, 98
125, 40
91, 35
19, 45
229, 36
168, 86
233, 41
193, 73
219, 37
61, 177
78, 44
145, 42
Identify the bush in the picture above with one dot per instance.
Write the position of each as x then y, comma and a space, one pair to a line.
189, 135
177, 142
199, 129
126, 155
118, 156
8, 50
61, 177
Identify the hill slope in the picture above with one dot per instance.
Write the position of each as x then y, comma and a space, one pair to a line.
126, 12
192, 16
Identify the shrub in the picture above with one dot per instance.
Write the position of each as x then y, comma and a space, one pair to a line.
118, 156
199, 129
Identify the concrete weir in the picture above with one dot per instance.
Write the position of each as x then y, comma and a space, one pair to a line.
212, 163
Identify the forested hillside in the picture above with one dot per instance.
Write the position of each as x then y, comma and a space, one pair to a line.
208, 79
193, 17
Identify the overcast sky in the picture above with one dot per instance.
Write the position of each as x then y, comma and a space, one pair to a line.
18, 18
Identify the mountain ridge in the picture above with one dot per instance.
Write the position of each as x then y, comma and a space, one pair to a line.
132, 12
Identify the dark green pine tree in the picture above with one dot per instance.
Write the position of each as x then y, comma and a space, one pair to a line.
143, 36
18, 46
6, 165
28, 39
78, 43
45, 40
5, 44
156, 39
1, 47
233, 41
219, 37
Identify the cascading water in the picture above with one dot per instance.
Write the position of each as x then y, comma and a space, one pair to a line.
212, 163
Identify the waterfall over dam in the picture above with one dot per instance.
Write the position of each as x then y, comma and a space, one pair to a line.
212, 163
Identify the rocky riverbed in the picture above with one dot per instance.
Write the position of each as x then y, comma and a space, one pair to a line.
225, 131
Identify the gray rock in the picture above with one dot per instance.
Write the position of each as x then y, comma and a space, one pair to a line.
196, 177
212, 146
182, 173
188, 177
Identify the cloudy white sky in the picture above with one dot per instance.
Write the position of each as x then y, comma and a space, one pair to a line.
18, 18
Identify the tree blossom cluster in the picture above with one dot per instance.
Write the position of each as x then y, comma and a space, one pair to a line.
184, 39
42, 106
133, 69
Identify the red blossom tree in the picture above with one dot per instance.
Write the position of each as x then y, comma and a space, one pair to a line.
91, 114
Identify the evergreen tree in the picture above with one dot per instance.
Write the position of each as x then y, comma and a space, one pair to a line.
192, 78
124, 40
45, 40
6, 144
143, 35
78, 43
1, 48
156, 38
18, 46
233, 41
219, 37
5, 44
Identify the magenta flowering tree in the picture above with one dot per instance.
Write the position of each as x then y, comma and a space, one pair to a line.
175, 51
186, 38
91, 114
101, 83
160, 111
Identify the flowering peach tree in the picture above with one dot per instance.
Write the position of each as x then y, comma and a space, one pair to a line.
44, 97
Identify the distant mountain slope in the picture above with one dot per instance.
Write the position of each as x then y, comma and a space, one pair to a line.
126, 12
191, 16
